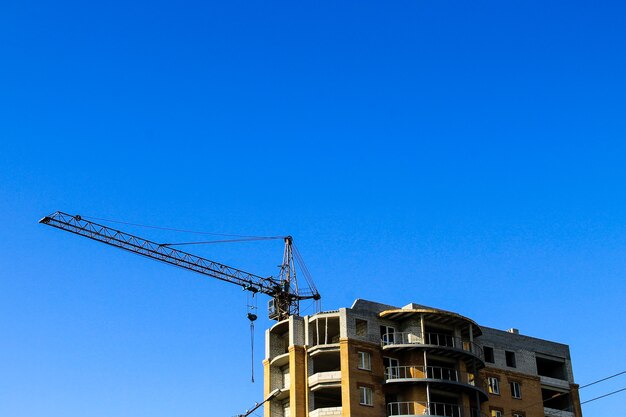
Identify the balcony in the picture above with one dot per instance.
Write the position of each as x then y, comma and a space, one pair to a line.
326, 412
323, 349
283, 394
432, 409
280, 360
554, 382
447, 377
325, 380
397, 373
432, 341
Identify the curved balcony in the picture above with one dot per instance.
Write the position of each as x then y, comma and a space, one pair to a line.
280, 360
447, 378
433, 341
328, 379
416, 408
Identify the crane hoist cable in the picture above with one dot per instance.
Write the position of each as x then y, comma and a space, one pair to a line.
252, 308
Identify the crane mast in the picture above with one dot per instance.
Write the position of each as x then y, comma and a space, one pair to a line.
283, 290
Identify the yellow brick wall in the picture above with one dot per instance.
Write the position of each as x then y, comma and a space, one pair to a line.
531, 403
353, 378
266, 387
298, 381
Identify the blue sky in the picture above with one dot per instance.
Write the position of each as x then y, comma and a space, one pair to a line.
469, 156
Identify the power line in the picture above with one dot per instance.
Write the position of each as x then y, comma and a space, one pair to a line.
603, 379
579, 388
602, 396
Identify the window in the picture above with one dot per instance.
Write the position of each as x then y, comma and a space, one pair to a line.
494, 385
551, 366
516, 390
361, 327
392, 368
365, 360
488, 354
387, 334
518, 414
365, 396
496, 413
510, 359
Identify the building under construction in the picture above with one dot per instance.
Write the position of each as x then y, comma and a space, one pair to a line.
375, 360
379, 360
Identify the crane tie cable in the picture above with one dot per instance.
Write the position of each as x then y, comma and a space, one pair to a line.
177, 230
206, 242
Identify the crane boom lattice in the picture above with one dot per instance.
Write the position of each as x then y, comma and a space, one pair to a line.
284, 290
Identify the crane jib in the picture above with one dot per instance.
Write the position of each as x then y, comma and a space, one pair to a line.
280, 289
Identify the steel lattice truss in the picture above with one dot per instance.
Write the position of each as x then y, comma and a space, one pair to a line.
271, 286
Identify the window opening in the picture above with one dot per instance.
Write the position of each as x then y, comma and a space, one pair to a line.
510, 359
516, 391
365, 361
365, 396
361, 327
494, 385
552, 368
392, 368
488, 354
387, 334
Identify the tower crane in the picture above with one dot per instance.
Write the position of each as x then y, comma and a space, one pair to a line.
284, 290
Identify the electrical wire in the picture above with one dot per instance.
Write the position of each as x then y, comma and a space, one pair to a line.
602, 396
601, 380
579, 388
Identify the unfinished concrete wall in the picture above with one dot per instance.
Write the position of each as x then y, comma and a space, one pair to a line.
524, 348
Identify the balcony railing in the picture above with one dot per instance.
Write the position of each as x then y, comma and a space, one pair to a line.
398, 373
422, 372
416, 408
433, 339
